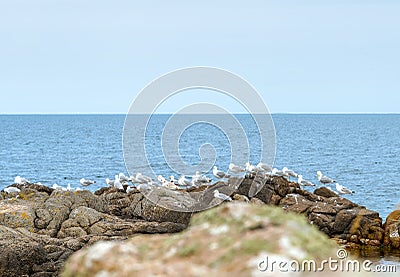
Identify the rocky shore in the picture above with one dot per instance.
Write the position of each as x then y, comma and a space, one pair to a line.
40, 228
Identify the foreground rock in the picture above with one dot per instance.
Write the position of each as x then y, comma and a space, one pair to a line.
232, 238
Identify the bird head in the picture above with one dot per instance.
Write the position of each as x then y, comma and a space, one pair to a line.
216, 192
285, 169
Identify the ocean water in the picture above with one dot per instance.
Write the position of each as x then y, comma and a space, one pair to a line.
362, 152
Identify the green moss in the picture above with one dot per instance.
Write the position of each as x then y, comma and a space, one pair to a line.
254, 246
188, 250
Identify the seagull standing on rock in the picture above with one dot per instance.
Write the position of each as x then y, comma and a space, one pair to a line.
235, 169
220, 174
250, 168
182, 181
343, 190
264, 167
302, 182
200, 179
20, 181
12, 189
324, 179
142, 179
109, 182
86, 183
289, 172
222, 196
117, 183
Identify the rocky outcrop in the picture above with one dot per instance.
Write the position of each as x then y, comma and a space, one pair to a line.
42, 227
49, 225
334, 215
232, 239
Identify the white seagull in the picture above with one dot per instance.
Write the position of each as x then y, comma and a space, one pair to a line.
324, 179
182, 181
343, 190
142, 179
12, 189
277, 172
264, 167
57, 187
250, 168
302, 182
220, 174
20, 181
200, 178
289, 172
86, 183
172, 180
117, 183
222, 196
122, 177
109, 182
236, 169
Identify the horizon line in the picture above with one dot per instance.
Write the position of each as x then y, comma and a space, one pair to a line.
239, 113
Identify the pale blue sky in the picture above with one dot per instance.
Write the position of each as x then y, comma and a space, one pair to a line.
302, 56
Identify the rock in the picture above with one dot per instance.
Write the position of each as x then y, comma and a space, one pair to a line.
233, 239
392, 230
325, 192
19, 253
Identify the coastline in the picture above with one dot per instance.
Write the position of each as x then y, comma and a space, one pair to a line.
81, 218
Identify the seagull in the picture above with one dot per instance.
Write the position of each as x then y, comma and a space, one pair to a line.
129, 189
250, 168
289, 172
86, 183
302, 182
170, 185
69, 187
222, 196
200, 178
20, 181
343, 190
220, 174
161, 179
324, 179
12, 189
110, 182
264, 167
172, 180
122, 177
236, 169
182, 181
117, 183
58, 187
142, 179
277, 172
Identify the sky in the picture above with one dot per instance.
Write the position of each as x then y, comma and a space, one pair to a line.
87, 56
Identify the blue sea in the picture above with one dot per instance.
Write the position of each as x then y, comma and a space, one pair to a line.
360, 151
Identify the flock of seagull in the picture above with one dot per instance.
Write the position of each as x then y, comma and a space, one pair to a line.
142, 182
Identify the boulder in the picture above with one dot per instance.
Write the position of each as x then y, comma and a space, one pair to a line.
232, 239
392, 230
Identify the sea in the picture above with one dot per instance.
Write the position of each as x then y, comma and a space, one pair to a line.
360, 151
